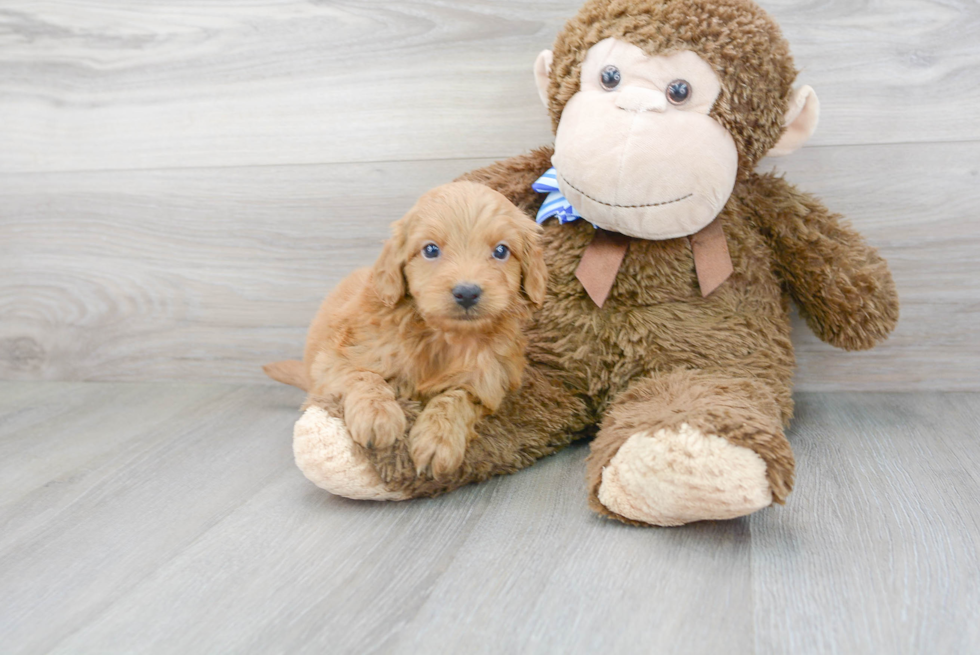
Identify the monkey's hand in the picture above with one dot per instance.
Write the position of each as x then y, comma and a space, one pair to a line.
842, 286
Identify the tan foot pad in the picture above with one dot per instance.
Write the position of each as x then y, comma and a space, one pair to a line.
677, 477
326, 455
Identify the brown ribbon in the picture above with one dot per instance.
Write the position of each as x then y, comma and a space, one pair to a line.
600, 263
602, 259
712, 261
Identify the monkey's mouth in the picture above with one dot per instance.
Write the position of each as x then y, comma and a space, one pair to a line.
610, 204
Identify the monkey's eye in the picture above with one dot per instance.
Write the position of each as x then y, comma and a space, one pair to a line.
610, 78
431, 251
501, 252
678, 92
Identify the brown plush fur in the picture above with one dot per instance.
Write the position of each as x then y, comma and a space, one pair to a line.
397, 332
658, 354
742, 410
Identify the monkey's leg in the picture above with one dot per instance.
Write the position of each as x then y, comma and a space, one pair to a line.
538, 420
690, 446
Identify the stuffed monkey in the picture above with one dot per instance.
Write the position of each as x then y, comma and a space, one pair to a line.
665, 334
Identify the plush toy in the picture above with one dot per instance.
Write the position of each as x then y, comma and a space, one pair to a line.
665, 334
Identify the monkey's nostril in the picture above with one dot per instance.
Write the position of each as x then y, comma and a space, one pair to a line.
467, 295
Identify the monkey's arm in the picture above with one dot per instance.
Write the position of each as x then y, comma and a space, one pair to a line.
513, 177
841, 285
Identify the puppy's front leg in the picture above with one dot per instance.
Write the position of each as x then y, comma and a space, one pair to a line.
371, 411
440, 434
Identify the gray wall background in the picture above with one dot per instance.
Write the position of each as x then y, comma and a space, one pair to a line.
181, 182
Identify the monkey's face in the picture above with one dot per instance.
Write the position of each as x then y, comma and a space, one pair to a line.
637, 151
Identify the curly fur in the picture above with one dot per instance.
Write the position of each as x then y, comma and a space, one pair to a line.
658, 355
396, 331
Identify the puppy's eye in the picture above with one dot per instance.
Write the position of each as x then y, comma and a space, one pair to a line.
431, 251
501, 252
678, 92
610, 78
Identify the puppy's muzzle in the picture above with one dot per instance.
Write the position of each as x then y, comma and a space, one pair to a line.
467, 295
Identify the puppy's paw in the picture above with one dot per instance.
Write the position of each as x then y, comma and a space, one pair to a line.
437, 446
374, 423
436, 456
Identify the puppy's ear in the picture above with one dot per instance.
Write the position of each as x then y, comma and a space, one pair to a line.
533, 270
388, 274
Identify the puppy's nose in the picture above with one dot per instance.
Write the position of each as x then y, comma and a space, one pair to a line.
467, 295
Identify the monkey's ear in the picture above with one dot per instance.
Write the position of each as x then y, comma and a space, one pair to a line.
801, 122
388, 275
542, 74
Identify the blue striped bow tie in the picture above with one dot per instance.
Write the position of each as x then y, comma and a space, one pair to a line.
555, 204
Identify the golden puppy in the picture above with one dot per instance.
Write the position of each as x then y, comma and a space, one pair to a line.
438, 319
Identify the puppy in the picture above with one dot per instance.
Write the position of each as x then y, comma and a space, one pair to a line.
438, 320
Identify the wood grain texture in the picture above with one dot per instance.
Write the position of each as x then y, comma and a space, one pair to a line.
191, 83
207, 274
884, 534
133, 500
201, 219
202, 537
184, 274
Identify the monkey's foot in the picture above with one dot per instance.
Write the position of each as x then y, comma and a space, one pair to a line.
674, 477
328, 457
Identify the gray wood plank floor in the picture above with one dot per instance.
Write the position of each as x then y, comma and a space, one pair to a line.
169, 518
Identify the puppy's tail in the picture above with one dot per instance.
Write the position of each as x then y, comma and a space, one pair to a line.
290, 372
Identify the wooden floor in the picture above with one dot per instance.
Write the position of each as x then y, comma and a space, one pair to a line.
169, 518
